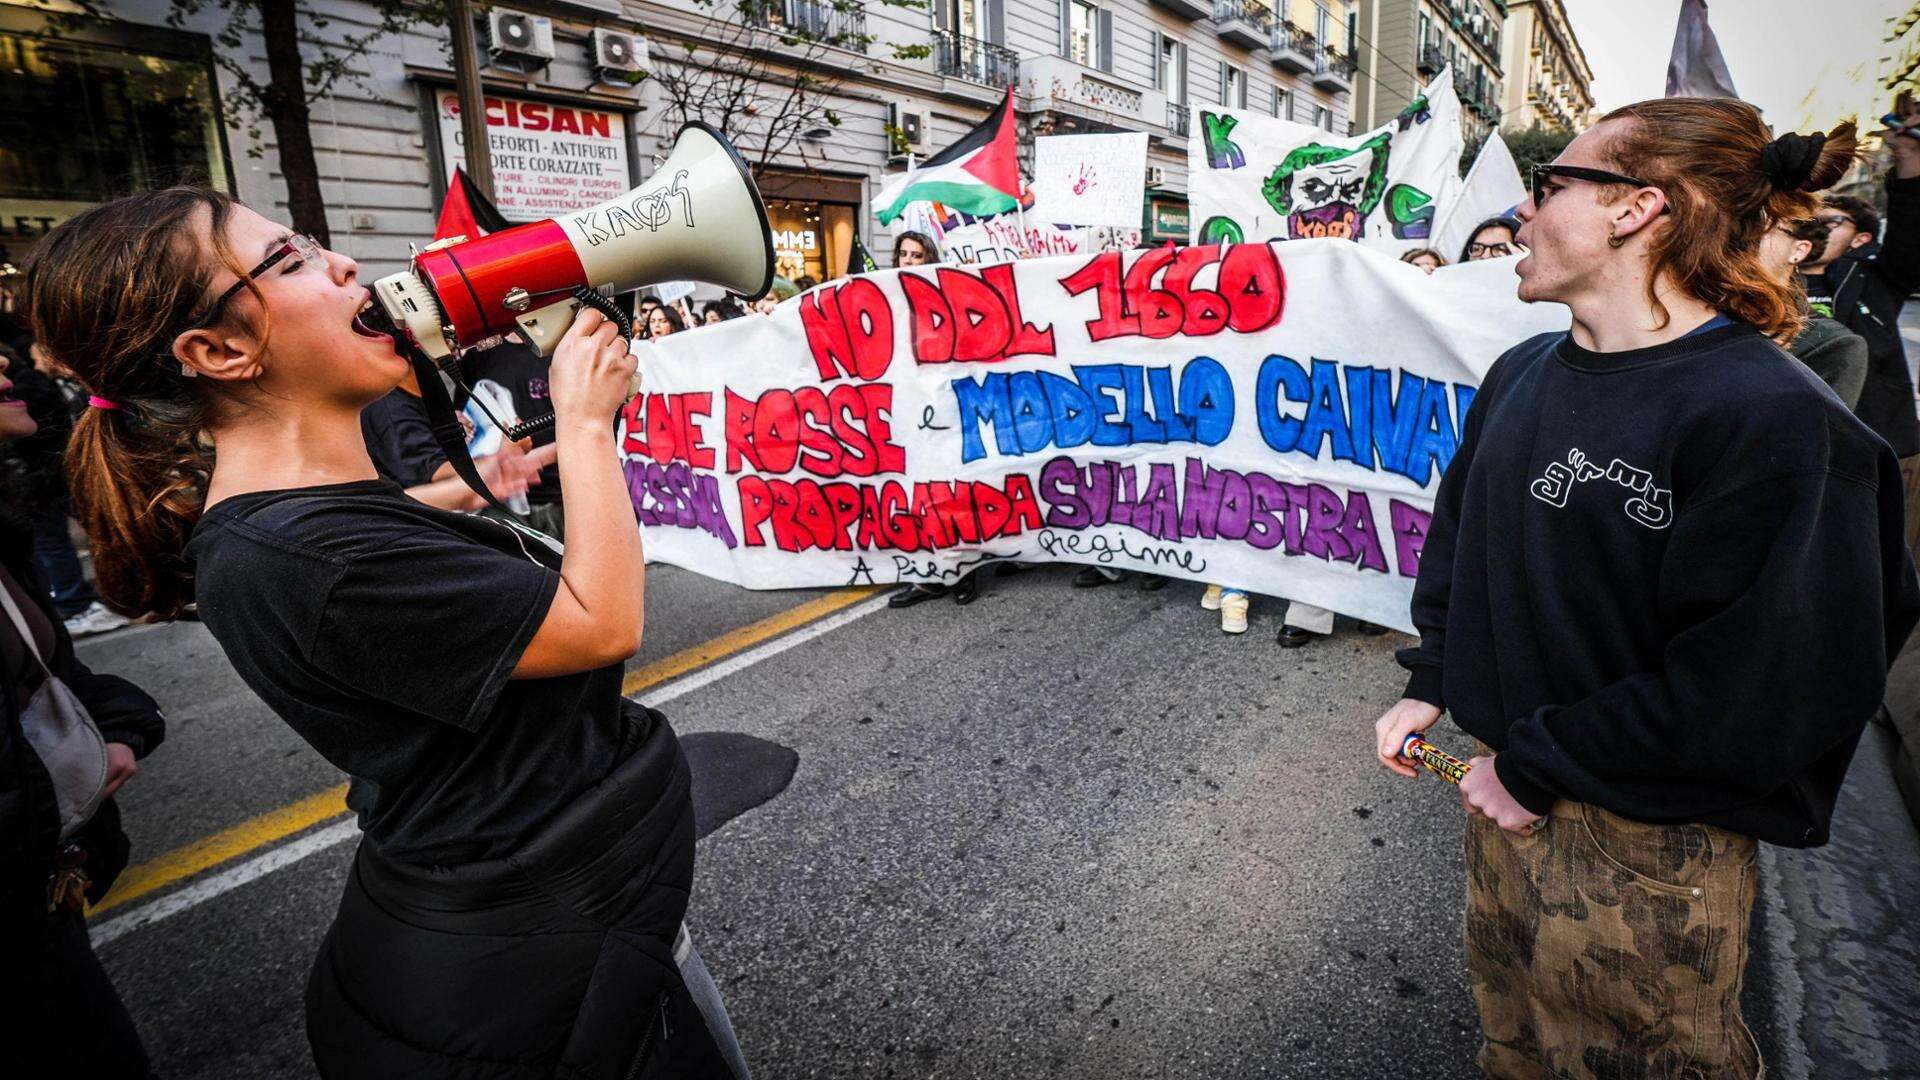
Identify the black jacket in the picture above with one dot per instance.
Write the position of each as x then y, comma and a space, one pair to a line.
1869, 285
29, 816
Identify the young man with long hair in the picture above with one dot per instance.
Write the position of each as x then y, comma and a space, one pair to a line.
1663, 583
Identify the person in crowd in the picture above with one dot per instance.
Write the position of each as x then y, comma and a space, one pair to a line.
1425, 258
766, 304
1862, 284
1298, 627
515, 904
1644, 514
63, 1008
400, 442
38, 486
1851, 224
715, 311
522, 372
662, 321
1836, 354
1494, 238
914, 249
805, 282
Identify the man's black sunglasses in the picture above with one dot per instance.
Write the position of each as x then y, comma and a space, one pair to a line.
1541, 174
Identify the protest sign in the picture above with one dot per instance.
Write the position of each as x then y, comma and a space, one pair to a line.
1091, 179
1006, 237
1254, 177
1269, 416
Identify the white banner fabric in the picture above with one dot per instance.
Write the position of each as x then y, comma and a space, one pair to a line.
1254, 177
1493, 186
1092, 179
1273, 417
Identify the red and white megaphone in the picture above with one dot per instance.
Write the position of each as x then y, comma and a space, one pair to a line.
699, 218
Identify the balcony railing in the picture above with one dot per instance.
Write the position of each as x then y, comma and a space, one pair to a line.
1332, 71
962, 57
1247, 23
1179, 119
1432, 59
842, 24
1293, 47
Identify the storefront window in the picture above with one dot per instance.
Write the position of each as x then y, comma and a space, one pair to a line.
810, 239
82, 123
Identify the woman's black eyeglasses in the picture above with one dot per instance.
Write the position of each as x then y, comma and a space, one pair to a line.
305, 247
1542, 174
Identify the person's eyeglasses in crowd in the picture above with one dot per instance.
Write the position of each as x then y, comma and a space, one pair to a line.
304, 249
1478, 250
1543, 186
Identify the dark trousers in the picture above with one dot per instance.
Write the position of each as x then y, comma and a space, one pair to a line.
69, 1016
53, 549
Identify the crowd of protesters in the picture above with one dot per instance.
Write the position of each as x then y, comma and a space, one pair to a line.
336, 555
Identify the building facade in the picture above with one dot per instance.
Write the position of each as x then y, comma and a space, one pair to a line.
1549, 84
98, 107
1405, 43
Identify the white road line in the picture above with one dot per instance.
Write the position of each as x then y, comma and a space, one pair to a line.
687, 684
225, 881
287, 854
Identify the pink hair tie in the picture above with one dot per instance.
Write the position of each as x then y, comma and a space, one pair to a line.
99, 402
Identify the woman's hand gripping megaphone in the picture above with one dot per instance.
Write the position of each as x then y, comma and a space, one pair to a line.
593, 371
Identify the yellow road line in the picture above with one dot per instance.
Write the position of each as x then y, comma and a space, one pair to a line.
746, 637
226, 844
276, 825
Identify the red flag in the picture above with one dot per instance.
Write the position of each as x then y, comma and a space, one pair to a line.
466, 212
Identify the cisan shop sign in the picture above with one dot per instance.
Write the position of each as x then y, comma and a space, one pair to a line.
547, 158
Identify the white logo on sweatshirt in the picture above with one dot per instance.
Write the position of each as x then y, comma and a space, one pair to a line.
1652, 506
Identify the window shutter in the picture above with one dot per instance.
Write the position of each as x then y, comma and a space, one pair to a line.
1223, 84
943, 14
1066, 28
1158, 78
1242, 103
1105, 60
997, 22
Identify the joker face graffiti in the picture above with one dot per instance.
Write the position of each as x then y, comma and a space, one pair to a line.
1329, 190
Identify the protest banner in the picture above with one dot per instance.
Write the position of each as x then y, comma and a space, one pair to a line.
1269, 416
1006, 237
1254, 177
1492, 186
1092, 179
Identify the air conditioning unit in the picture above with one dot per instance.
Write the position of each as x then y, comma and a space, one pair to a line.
910, 123
518, 39
1156, 176
617, 55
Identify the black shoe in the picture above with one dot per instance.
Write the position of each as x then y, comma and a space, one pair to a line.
966, 590
1152, 582
1092, 577
1372, 629
915, 594
1292, 637
1009, 569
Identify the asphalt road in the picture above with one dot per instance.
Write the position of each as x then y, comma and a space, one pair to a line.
1057, 833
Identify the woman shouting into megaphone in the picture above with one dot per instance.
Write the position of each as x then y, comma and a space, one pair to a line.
515, 904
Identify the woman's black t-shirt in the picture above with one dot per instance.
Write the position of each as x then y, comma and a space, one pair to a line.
385, 633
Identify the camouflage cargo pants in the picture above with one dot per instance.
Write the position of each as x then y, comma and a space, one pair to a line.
1605, 948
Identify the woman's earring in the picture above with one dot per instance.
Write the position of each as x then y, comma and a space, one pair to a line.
187, 371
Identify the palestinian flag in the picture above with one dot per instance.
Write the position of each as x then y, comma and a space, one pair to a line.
980, 174
466, 212
860, 260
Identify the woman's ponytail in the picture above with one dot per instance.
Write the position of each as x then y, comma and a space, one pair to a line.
107, 292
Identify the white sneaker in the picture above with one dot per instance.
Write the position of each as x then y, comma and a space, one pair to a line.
95, 620
1233, 613
1210, 600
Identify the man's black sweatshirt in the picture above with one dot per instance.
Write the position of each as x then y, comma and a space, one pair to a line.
1668, 582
